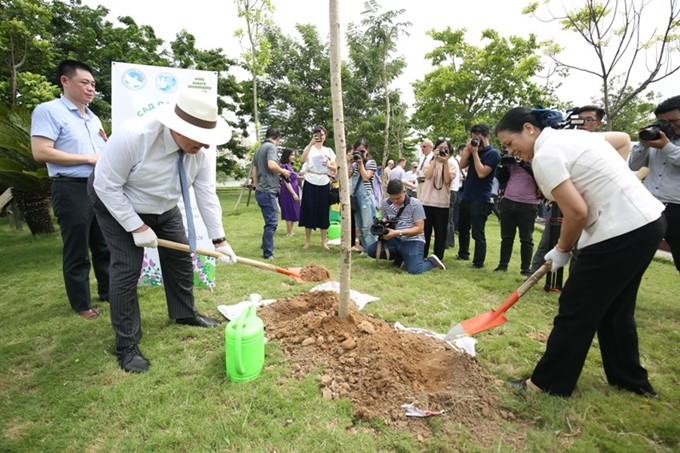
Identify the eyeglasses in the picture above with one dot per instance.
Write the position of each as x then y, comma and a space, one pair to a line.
588, 119
446, 139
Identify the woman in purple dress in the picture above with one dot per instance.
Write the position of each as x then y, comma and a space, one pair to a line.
289, 195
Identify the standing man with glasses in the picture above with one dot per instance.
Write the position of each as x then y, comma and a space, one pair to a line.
426, 147
659, 149
69, 137
592, 116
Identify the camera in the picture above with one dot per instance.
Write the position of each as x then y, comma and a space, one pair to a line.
443, 153
653, 131
475, 142
507, 161
379, 227
316, 133
357, 155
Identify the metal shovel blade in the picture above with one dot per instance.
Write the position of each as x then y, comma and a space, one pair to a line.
495, 318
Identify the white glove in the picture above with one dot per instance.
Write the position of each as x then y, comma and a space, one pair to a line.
559, 258
229, 257
146, 238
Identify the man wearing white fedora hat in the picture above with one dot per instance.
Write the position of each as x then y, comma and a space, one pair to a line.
135, 189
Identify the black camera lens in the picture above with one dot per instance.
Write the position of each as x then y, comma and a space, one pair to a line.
443, 152
650, 133
475, 142
357, 156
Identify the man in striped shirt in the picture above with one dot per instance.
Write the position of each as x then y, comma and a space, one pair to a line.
403, 240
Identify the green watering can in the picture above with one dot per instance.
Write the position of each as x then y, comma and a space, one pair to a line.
244, 345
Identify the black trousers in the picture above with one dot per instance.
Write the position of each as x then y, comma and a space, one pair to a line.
599, 297
672, 234
472, 217
515, 216
437, 220
126, 266
81, 235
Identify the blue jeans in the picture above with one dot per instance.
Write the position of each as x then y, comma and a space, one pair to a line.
402, 251
364, 216
267, 203
473, 215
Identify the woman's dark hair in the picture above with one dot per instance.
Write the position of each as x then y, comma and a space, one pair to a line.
285, 155
441, 140
359, 142
514, 119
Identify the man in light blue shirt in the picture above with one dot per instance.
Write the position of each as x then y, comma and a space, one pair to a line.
69, 138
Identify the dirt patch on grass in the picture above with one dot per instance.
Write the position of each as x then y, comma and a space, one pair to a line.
379, 368
314, 273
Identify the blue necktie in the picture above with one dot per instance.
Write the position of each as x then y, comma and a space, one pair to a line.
187, 201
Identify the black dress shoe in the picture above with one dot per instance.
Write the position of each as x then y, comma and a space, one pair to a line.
646, 392
131, 360
199, 321
501, 269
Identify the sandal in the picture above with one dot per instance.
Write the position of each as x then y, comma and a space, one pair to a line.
89, 314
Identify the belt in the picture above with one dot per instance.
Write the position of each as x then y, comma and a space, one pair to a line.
68, 179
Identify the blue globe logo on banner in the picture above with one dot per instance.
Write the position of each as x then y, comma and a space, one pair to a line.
166, 82
133, 79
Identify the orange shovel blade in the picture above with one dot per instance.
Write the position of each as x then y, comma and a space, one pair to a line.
483, 322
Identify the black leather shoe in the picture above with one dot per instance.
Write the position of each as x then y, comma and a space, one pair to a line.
131, 360
501, 269
646, 392
199, 321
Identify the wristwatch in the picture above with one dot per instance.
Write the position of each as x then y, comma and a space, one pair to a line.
219, 240
400, 233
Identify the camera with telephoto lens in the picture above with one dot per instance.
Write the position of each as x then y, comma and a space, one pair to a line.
443, 153
653, 131
379, 227
357, 155
475, 142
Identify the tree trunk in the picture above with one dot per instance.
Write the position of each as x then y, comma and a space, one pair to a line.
339, 136
36, 211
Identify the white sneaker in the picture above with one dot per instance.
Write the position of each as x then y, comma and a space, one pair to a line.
437, 262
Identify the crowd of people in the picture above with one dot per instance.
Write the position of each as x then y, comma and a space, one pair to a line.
113, 197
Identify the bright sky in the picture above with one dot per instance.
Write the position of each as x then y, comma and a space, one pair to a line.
214, 27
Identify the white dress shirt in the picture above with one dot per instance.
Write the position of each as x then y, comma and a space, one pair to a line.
137, 174
617, 202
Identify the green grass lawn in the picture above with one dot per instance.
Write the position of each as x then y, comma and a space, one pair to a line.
61, 388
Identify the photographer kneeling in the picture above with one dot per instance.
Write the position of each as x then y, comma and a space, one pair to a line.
400, 232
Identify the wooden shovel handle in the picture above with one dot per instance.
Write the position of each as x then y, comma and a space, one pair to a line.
215, 254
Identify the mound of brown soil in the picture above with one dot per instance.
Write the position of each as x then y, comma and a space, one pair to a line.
314, 273
380, 368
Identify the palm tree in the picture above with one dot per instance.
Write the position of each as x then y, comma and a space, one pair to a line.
28, 179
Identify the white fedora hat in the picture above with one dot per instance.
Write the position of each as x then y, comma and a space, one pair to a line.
194, 115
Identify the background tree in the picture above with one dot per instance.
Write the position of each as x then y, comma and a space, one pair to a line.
381, 33
28, 178
623, 35
296, 88
470, 84
257, 14
25, 45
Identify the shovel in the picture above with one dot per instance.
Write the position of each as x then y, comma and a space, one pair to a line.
495, 318
266, 266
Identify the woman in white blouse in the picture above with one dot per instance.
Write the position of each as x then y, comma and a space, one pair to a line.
618, 226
